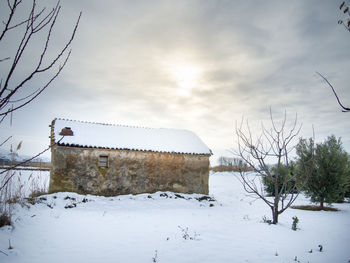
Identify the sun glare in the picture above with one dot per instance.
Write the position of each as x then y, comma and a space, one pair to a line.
186, 77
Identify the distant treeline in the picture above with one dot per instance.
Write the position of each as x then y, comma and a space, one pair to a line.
229, 164
38, 165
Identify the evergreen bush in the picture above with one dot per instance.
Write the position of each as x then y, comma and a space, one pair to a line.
329, 181
283, 172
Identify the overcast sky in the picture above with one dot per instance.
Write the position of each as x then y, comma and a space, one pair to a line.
196, 65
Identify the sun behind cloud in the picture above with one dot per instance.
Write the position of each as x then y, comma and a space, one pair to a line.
185, 75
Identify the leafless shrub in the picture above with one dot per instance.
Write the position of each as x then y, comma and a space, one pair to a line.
187, 236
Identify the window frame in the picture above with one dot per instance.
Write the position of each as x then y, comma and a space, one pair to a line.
103, 161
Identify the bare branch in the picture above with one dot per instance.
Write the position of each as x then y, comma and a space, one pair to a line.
30, 29
3, 59
5, 140
39, 92
345, 109
15, 94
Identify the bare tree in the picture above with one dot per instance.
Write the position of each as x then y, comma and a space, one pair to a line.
225, 161
274, 145
16, 87
234, 163
17, 93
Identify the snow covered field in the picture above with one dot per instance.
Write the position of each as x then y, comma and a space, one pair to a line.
155, 228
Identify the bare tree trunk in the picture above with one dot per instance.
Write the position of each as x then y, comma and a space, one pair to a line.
275, 215
322, 204
275, 205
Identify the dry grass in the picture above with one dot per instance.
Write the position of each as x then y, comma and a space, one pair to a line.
40, 165
5, 220
314, 208
15, 192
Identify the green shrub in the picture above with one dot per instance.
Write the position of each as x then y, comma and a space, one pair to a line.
282, 173
329, 181
295, 223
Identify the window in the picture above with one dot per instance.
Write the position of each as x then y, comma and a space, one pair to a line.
103, 161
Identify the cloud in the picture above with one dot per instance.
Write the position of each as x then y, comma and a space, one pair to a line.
248, 56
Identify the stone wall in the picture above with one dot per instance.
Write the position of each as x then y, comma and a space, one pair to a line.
77, 169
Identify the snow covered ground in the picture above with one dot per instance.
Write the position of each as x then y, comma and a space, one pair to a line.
161, 228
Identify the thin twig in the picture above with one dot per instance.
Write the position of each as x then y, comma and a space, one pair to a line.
5, 141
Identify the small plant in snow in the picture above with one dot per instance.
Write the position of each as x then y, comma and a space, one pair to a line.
72, 205
267, 221
295, 223
69, 198
320, 247
186, 235
10, 247
155, 256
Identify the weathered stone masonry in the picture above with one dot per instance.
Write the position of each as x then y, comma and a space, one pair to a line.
76, 169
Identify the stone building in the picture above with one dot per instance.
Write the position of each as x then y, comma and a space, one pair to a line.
104, 159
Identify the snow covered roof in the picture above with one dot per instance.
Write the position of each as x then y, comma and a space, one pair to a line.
110, 136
